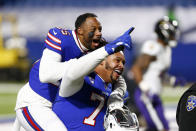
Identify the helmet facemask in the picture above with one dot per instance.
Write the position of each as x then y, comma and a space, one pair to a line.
122, 120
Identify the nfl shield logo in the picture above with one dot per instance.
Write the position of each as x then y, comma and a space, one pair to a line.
191, 103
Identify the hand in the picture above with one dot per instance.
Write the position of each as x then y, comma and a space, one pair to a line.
120, 86
115, 101
121, 42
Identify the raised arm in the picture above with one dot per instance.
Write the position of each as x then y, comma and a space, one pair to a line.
73, 78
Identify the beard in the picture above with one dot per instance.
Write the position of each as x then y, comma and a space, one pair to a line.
109, 68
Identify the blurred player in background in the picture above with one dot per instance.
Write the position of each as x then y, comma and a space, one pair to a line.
186, 111
146, 72
34, 101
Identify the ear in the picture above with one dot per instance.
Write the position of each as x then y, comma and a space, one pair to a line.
102, 63
80, 31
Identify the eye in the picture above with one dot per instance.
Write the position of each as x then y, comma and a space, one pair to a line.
117, 60
93, 29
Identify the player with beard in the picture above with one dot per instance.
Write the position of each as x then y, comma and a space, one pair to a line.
82, 101
35, 99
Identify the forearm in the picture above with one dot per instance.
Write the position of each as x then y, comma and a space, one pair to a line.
137, 74
74, 76
86, 64
138, 77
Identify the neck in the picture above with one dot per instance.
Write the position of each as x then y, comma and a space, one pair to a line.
81, 42
162, 42
101, 72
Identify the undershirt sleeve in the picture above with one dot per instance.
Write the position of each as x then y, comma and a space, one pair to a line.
51, 68
73, 78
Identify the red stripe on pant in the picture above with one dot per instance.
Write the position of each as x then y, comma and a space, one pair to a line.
30, 120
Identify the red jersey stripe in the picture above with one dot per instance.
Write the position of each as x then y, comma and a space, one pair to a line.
54, 38
53, 45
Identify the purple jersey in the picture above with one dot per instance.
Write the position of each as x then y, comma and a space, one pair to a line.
85, 110
63, 42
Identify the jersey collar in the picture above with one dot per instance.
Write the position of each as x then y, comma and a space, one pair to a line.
79, 44
102, 83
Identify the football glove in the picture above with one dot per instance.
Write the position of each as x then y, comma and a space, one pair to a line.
115, 101
121, 42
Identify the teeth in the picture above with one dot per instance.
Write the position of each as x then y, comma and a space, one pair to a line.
118, 71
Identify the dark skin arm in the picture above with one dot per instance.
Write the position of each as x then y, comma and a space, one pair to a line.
140, 66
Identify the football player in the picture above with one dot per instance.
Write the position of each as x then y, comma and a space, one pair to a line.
155, 59
34, 100
82, 101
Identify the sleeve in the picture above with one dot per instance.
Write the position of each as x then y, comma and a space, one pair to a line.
53, 40
150, 48
51, 68
74, 76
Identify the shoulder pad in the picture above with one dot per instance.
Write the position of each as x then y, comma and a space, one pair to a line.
54, 31
151, 48
59, 31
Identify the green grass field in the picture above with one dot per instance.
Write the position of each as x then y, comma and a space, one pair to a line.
7, 103
172, 95
8, 94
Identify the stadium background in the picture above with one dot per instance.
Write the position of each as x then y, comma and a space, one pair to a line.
25, 23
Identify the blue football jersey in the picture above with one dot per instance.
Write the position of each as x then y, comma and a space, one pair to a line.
85, 110
63, 42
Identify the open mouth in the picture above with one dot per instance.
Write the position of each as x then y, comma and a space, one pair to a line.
96, 42
119, 72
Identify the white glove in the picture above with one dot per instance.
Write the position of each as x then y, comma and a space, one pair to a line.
115, 101
120, 86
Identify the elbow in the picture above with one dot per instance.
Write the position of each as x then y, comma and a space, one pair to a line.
44, 78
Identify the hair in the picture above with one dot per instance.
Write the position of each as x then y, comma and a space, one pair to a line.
82, 18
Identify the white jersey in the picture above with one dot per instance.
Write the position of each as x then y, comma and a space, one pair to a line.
163, 61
